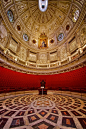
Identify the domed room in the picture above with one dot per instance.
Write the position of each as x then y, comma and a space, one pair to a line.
42, 64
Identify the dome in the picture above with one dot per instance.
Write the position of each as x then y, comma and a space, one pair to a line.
42, 42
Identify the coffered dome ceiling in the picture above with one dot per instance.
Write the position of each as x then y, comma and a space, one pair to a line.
37, 42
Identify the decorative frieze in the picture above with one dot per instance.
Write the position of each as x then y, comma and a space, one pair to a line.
13, 45
22, 53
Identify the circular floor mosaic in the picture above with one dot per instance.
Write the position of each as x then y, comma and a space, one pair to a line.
42, 112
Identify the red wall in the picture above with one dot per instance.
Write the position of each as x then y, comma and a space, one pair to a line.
76, 78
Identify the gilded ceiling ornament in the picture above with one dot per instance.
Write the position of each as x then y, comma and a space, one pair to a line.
3, 35
18, 27
83, 35
67, 27
43, 4
83, 32
32, 47
51, 41
34, 41
3, 31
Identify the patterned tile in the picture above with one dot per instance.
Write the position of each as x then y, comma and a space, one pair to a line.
38, 109
33, 118
22, 128
17, 122
25, 108
52, 118
21, 113
73, 107
43, 113
65, 113
68, 122
3, 111
60, 108
18, 108
77, 105
31, 111
84, 107
43, 125
82, 111
7, 105
82, 122
1, 107
67, 108
55, 111
10, 113
12, 107
3, 122
47, 109
76, 113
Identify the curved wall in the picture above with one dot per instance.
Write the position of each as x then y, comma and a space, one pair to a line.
23, 33
11, 79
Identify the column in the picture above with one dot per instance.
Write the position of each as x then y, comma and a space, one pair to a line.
68, 52
18, 48
8, 40
37, 62
27, 52
48, 56
58, 58
37, 56
80, 50
48, 59
78, 40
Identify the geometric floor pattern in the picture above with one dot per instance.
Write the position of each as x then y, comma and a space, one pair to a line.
43, 112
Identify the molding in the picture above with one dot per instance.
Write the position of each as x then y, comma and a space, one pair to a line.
7, 62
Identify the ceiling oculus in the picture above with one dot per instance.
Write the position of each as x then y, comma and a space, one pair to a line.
43, 4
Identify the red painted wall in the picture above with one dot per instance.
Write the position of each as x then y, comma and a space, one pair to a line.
76, 78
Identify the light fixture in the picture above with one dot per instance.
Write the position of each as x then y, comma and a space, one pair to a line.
43, 4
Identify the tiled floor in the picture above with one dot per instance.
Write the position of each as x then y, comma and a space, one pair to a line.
42, 112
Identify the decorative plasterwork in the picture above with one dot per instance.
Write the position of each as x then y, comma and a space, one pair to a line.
34, 27
3, 34
83, 35
66, 40
13, 45
75, 64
